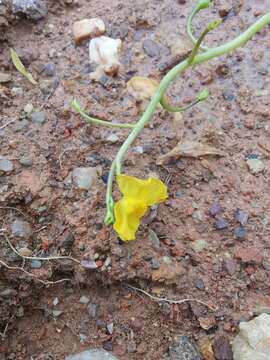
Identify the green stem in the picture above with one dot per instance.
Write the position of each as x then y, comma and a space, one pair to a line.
76, 106
172, 74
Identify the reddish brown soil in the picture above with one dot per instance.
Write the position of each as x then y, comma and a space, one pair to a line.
235, 119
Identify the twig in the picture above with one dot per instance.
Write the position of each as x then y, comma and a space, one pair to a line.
44, 282
155, 298
37, 257
13, 208
8, 123
3, 334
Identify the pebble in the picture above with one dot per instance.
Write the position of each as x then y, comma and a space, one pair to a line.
89, 264
199, 284
49, 69
222, 348
92, 310
57, 313
255, 166
16, 91
182, 349
179, 46
155, 264
88, 28
24, 251
221, 224
46, 86
84, 299
131, 347
21, 228
26, 161
151, 48
142, 88
113, 138
28, 109
241, 216
4, 78
107, 345
199, 245
32, 9
84, 177
110, 328
266, 263
5, 165
66, 240
215, 209
93, 354
252, 342
39, 117
36, 264
240, 232
230, 265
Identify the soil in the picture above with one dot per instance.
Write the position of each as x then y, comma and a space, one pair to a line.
190, 246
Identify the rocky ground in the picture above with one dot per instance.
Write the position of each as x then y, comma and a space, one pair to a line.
209, 241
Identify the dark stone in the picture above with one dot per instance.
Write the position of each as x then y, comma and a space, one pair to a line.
66, 240
182, 349
221, 224
240, 232
215, 208
222, 348
105, 177
49, 69
155, 264
241, 216
108, 346
119, 32
151, 48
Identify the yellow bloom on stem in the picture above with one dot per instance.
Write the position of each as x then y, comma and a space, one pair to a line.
137, 196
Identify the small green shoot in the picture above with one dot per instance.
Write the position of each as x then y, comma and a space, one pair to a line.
20, 67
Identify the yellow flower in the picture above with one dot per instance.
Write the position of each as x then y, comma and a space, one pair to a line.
137, 196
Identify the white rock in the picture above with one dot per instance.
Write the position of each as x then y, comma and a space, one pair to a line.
104, 52
84, 178
88, 28
253, 340
256, 166
92, 354
113, 138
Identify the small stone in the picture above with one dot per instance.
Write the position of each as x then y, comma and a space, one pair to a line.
92, 310
28, 109
252, 342
221, 224
46, 86
6, 165
32, 9
230, 265
4, 78
155, 264
88, 28
52, 53
131, 347
256, 166
21, 228
84, 178
36, 264
20, 312
240, 232
180, 46
66, 240
39, 117
215, 209
55, 301
89, 264
49, 69
93, 354
206, 349
24, 251
110, 328
113, 138
222, 348
57, 313
151, 48
241, 216
199, 245
153, 238
199, 284
26, 161
207, 323
16, 91
108, 261
84, 299
138, 149
266, 263
182, 349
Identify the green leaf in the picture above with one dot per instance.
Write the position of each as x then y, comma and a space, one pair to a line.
203, 4
20, 67
203, 95
214, 24
75, 105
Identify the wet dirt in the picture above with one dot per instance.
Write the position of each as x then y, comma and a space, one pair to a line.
194, 245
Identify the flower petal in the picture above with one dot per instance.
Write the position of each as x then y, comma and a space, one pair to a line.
151, 191
127, 213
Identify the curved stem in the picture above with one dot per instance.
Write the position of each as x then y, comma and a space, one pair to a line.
201, 5
171, 108
76, 106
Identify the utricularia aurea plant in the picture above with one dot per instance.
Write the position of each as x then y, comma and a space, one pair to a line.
139, 194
